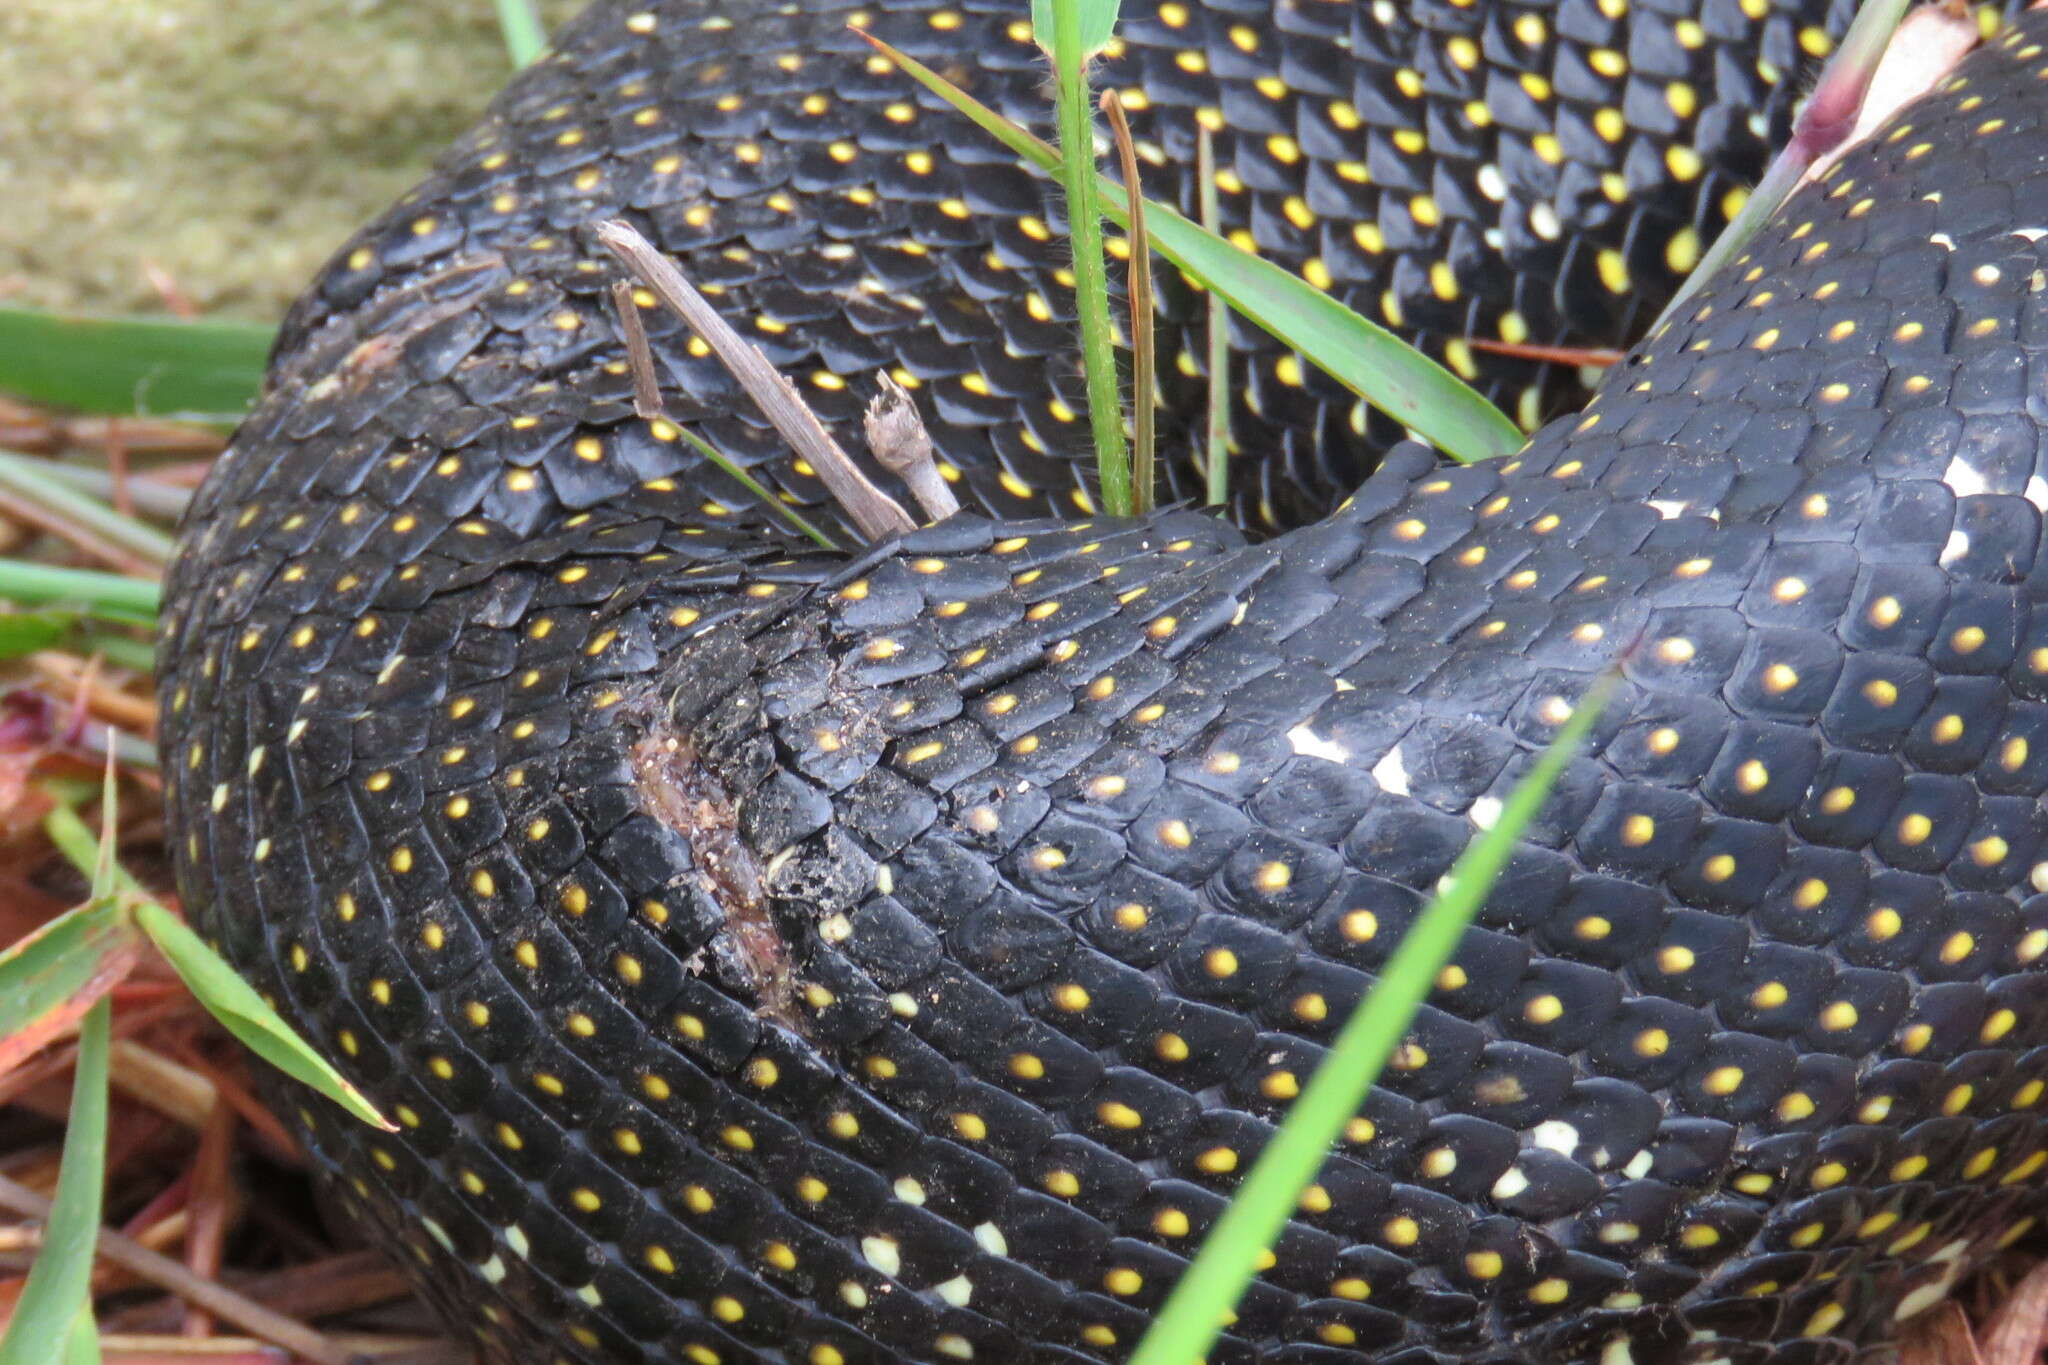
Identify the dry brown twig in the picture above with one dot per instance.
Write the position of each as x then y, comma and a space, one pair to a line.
872, 511
166, 1273
902, 446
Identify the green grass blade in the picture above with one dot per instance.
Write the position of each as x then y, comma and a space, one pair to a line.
123, 651
1096, 22
25, 632
245, 1014
109, 596
82, 1347
1832, 105
1144, 363
156, 367
75, 839
1217, 459
1076, 118
732, 468
31, 480
152, 498
524, 37
51, 978
1363, 356
1192, 1316
59, 1285
211, 980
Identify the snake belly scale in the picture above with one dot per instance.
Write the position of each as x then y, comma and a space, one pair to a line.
770, 955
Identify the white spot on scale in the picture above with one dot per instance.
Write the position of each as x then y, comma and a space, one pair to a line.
1944, 241
2039, 877
2030, 234
1963, 480
588, 1293
1391, 773
1923, 1298
1958, 546
2037, 491
1306, 741
1950, 1259
1639, 1165
909, 1191
1485, 812
1953, 1251
956, 1291
1669, 508
991, 1239
1492, 183
1511, 1183
515, 1237
493, 1269
881, 1253
1616, 1352
1543, 221
1556, 1135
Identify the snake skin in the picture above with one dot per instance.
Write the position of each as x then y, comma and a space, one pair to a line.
1538, 173
772, 957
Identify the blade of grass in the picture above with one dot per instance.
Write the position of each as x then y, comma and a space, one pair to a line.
1218, 444
110, 596
31, 479
1097, 24
524, 37
123, 651
60, 1282
1823, 122
1193, 1313
51, 978
1363, 356
1076, 120
211, 980
152, 497
1144, 364
753, 485
205, 371
24, 632
245, 1014
82, 1347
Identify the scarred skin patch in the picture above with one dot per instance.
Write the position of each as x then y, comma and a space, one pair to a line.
684, 794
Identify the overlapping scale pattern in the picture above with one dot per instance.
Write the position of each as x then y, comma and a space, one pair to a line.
769, 956
1465, 172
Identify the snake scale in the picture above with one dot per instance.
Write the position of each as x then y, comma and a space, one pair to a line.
899, 955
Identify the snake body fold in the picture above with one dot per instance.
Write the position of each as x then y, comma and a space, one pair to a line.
776, 955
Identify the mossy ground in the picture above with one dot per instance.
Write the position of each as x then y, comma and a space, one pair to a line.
231, 143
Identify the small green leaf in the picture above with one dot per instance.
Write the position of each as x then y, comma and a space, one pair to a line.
1098, 23
1363, 356
245, 1014
25, 632
159, 367
59, 1284
52, 977
1193, 1314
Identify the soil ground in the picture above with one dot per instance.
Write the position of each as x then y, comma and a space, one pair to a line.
231, 144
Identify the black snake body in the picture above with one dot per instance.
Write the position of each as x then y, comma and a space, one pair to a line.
775, 955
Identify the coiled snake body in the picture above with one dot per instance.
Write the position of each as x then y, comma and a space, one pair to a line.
776, 955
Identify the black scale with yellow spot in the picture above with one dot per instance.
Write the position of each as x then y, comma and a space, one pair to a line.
776, 956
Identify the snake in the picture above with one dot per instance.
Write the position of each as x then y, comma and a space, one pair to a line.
767, 953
